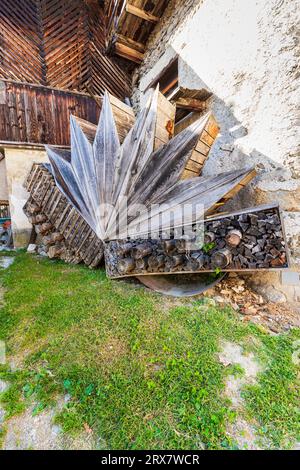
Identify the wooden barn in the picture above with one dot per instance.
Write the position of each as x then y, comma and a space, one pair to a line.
53, 63
58, 63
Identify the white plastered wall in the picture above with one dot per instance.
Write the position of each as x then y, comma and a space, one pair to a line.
18, 165
246, 52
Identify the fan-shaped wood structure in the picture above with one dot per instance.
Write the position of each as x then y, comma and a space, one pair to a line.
128, 196
103, 174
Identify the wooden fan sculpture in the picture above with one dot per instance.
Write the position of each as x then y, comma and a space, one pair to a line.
122, 196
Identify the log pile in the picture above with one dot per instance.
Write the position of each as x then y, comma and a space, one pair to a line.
65, 234
236, 242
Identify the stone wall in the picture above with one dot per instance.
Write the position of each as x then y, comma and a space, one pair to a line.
18, 165
3, 183
246, 53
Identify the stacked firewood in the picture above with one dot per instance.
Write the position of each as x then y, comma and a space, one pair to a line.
241, 241
64, 232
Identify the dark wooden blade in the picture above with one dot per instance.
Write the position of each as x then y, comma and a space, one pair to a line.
66, 182
196, 196
166, 165
106, 149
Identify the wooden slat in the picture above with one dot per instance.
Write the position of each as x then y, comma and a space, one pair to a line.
128, 53
141, 13
138, 46
165, 120
191, 104
65, 233
132, 22
38, 114
123, 115
202, 148
58, 43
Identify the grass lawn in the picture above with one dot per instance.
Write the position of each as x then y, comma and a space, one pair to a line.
142, 371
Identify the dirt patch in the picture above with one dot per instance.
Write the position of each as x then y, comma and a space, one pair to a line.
253, 307
244, 434
32, 432
233, 354
241, 431
39, 432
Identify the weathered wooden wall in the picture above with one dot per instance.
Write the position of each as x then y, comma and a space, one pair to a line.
37, 114
58, 43
129, 25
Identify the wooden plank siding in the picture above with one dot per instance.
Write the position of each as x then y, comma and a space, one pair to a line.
59, 43
37, 114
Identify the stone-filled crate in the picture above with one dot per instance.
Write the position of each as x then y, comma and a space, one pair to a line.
245, 240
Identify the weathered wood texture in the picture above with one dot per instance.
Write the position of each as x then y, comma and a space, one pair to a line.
58, 43
259, 243
201, 150
65, 210
65, 234
165, 121
186, 99
123, 115
129, 24
109, 172
37, 114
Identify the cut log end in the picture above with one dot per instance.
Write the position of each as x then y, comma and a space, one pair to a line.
221, 258
233, 238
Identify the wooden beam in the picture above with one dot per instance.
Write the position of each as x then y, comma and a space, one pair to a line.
138, 46
128, 53
191, 103
170, 85
165, 119
141, 13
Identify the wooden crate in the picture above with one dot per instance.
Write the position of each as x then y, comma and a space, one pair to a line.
246, 240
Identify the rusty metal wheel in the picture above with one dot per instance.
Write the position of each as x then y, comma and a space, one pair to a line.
181, 285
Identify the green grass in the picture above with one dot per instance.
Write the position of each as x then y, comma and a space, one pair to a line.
275, 399
142, 371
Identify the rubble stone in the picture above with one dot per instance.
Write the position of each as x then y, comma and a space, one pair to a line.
32, 248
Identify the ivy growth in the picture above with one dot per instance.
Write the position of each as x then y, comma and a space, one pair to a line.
207, 247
